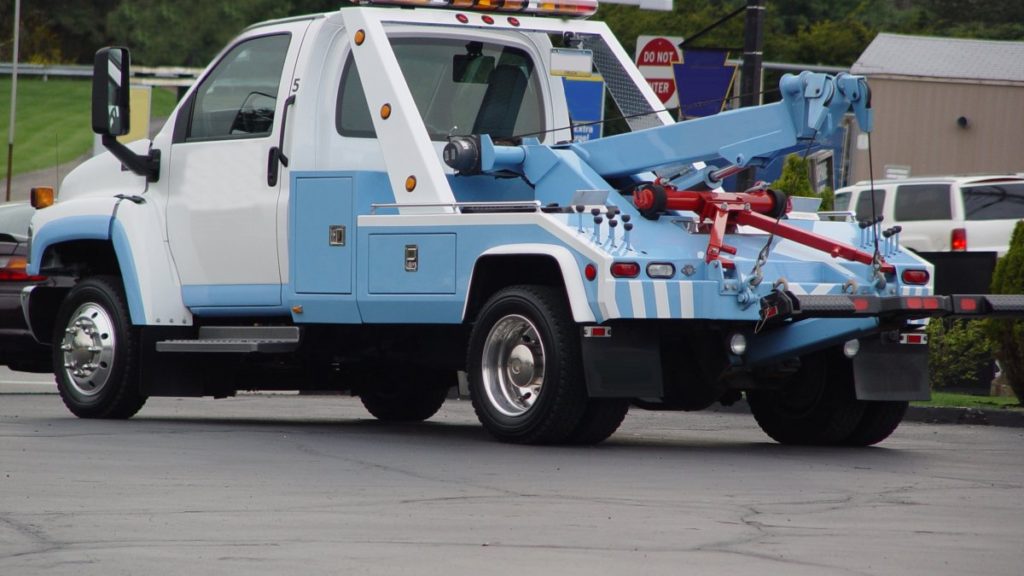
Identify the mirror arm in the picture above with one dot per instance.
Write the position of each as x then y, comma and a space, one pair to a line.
144, 165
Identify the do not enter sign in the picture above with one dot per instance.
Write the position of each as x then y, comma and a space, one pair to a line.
654, 57
658, 51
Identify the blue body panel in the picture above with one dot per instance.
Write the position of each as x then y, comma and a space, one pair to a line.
317, 204
432, 273
234, 299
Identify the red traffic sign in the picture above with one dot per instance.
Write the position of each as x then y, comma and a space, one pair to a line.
664, 88
658, 52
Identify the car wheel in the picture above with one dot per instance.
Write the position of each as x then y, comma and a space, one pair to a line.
817, 404
95, 352
405, 395
524, 367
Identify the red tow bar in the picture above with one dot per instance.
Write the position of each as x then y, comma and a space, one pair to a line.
760, 209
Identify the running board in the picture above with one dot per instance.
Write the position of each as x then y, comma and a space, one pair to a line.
237, 339
781, 305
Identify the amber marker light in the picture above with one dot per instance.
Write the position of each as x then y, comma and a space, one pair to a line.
360, 37
410, 183
385, 111
42, 197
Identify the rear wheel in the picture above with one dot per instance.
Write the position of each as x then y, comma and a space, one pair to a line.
817, 405
403, 395
95, 352
601, 419
524, 367
879, 421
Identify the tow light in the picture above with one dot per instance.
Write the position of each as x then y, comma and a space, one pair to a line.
564, 8
660, 270
13, 270
625, 269
915, 276
958, 240
738, 344
851, 348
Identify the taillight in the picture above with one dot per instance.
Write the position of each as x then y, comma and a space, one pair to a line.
915, 276
13, 270
625, 269
958, 240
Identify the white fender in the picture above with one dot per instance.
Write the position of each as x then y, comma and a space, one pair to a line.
574, 288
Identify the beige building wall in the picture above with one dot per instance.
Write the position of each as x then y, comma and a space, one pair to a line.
916, 126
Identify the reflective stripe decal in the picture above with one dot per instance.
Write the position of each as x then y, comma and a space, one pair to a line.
636, 297
661, 299
686, 299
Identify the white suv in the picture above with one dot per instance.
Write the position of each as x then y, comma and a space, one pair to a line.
944, 213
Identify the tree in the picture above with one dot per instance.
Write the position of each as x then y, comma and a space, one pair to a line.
794, 180
1008, 335
185, 32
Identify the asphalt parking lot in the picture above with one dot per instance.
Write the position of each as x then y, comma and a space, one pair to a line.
289, 484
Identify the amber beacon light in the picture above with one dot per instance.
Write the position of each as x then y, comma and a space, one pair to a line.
563, 8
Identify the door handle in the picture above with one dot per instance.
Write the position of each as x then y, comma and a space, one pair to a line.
277, 158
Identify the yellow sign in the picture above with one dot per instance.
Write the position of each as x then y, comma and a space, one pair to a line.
141, 101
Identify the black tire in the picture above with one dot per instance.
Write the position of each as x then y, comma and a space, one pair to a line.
524, 367
817, 405
879, 421
405, 395
96, 351
601, 419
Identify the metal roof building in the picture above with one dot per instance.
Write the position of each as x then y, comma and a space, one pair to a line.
943, 106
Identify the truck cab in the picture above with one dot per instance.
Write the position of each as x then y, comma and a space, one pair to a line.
380, 198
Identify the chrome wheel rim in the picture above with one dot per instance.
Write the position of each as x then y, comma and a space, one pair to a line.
88, 349
513, 365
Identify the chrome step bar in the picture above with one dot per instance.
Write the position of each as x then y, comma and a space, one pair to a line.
237, 339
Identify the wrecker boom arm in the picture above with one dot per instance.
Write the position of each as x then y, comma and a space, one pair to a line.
813, 105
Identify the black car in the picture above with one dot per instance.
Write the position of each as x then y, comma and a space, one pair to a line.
18, 349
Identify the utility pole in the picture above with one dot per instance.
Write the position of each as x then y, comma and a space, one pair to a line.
750, 82
14, 97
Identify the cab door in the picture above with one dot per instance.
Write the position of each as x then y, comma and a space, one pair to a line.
224, 176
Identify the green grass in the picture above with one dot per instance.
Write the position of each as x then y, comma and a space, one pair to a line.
948, 399
53, 120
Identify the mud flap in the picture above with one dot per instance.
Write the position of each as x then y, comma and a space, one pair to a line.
622, 361
890, 367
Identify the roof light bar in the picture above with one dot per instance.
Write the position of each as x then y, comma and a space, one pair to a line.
564, 8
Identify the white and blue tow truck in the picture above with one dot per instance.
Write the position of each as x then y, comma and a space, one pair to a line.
378, 198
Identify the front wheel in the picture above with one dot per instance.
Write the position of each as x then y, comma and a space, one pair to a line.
524, 367
95, 352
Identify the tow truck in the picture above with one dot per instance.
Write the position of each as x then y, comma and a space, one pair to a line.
376, 199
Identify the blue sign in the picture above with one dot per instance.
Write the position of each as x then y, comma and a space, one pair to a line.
703, 81
585, 97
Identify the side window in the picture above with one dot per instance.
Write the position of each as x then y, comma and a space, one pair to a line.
238, 98
994, 202
842, 201
922, 202
352, 113
459, 88
864, 203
